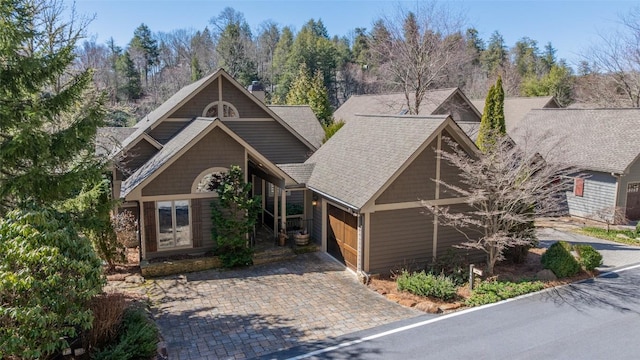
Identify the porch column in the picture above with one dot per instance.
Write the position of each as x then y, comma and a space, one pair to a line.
283, 207
264, 201
275, 211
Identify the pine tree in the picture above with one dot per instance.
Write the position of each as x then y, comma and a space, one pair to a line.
144, 43
131, 88
492, 124
46, 135
310, 91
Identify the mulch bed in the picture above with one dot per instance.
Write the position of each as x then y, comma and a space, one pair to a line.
386, 285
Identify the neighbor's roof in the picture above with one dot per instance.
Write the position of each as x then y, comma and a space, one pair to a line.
110, 139
360, 158
516, 108
303, 121
589, 139
169, 150
390, 104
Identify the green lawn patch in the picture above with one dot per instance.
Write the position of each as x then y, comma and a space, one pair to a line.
611, 235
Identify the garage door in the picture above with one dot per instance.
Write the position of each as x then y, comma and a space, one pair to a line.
633, 201
342, 242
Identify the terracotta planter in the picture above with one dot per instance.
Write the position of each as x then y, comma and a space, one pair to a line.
301, 239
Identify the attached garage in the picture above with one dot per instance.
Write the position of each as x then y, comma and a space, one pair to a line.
342, 239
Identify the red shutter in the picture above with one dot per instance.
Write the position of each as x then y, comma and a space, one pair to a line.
151, 243
578, 187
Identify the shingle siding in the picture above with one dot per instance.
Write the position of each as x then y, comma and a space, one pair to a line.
196, 105
400, 238
316, 233
216, 149
599, 194
415, 182
246, 107
139, 154
272, 140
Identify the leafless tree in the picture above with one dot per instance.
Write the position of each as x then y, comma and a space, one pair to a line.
614, 80
610, 215
419, 49
504, 189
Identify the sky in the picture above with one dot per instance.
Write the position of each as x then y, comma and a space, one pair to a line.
571, 25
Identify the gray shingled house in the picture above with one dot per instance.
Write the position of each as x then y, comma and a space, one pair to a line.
436, 102
601, 143
359, 194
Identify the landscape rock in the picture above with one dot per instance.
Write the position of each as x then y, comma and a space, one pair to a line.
546, 275
453, 306
427, 307
407, 303
134, 279
381, 291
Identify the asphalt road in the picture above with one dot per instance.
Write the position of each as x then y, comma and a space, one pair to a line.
594, 319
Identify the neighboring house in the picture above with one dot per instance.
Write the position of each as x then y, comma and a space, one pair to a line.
516, 108
368, 182
601, 143
205, 128
436, 102
359, 194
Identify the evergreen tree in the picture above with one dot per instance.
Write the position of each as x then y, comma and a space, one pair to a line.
310, 91
196, 70
495, 55
131, 87
46, 135
144, 43
492, 124
280, 57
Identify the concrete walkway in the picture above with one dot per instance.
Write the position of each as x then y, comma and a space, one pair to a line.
251, 312
614, 255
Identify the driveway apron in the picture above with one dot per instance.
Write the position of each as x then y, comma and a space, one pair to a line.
240, 314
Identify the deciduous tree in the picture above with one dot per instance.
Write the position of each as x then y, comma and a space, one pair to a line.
499, 187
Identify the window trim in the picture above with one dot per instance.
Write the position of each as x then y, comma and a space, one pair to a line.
173, 225
224, 103
200, 177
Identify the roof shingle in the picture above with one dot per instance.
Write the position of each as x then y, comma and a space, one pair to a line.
360, 158
589, 139
302, 120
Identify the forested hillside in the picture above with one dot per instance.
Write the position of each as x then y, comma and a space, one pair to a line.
410, 52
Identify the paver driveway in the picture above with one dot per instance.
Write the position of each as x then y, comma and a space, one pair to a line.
251, 312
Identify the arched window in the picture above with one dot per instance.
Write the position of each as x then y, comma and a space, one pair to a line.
228, 110
209, 177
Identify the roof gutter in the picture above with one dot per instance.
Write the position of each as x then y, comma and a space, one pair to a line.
334, 199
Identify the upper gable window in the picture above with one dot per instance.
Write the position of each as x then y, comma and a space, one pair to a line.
228, 110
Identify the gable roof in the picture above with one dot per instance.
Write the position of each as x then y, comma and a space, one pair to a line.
180, 143
516, 108
302, 119
363, 156
186, 93
590, 139
390, 104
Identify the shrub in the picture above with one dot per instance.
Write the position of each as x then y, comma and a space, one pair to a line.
48, 275
638, 229
494, 291
558, 258
423, 284
107, 310
138, 338
589, 257
453, 266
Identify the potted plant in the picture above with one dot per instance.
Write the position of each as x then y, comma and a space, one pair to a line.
302, 238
